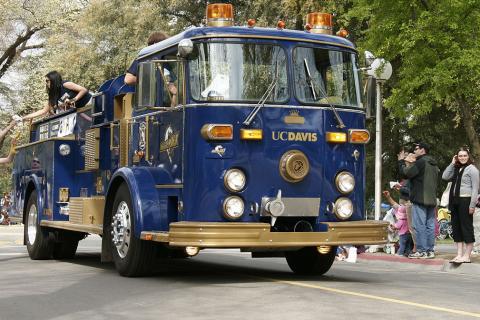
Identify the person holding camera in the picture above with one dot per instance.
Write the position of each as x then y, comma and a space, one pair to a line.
422, 172
62, 95
463, 196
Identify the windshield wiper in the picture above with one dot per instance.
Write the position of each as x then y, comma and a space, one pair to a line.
264, 98
311, 83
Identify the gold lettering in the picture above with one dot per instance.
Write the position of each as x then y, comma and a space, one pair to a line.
281, 136
273, 135
314, 137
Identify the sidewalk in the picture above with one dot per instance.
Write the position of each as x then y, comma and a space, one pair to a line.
441, 262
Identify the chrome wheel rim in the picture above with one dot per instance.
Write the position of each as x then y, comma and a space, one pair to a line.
121, 229
32, 224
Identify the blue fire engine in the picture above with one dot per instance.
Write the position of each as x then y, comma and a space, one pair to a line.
233, 137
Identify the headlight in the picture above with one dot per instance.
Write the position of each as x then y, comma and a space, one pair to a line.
234, 180
343, 208
233, 207
64, 149
345, 182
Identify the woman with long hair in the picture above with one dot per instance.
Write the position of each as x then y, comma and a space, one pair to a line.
61, 95
462, 200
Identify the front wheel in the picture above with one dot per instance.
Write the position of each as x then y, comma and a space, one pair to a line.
309, 261
38, 240
132, 256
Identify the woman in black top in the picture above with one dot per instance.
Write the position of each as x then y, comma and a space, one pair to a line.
61, 95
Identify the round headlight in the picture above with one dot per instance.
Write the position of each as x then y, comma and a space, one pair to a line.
345, 182
343, 208
64, 149
233, 207
234, 180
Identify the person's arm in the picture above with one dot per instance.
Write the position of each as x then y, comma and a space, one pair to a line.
4, 132
390, 200
11, 154
173, 91
411, 168
131, 74
475, 178
448, 173
37, 113
81, 91
130, 79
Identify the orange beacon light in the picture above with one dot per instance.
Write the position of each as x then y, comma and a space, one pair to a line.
219, 15
320, 22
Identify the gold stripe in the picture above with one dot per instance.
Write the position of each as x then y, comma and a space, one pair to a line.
95, 229
70, 137
373, 297
168, 186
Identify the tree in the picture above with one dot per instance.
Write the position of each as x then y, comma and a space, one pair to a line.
434, 48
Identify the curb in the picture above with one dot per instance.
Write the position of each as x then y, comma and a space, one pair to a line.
419, 264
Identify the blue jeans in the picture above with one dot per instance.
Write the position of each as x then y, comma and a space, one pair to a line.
423, 219
405, 244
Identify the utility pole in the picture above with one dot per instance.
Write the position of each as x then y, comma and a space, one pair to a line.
381, 70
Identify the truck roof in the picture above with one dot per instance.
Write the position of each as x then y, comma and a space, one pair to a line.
239, 32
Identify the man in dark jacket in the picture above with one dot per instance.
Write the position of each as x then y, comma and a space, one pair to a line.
422, 171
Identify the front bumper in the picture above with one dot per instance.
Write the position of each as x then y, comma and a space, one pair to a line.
258, 235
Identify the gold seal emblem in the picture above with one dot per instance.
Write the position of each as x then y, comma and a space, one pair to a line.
294, 118
294, 166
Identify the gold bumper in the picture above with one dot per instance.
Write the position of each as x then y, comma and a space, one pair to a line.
258, 235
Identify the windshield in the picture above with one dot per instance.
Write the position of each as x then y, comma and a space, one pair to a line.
326, 77
238, 72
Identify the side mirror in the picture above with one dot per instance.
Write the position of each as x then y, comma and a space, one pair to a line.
370, 95
185, 48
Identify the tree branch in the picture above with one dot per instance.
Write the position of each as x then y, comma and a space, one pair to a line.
10, 53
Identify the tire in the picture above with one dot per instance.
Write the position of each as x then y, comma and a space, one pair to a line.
308, 261
132, 257
38, 239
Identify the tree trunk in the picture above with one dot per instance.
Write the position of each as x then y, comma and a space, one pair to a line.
468, 124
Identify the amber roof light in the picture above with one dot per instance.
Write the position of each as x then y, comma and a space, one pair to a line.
320, 22
220, 15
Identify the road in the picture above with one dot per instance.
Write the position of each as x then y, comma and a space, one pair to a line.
224, 284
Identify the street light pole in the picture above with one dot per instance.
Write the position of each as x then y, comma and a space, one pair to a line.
381, 70
378, 149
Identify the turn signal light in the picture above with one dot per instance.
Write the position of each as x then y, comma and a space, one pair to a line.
336, 137
211, 131
219, 15
251, 134
359, 136
320, 22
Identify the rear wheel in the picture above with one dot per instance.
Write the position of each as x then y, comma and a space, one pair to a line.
39, 242
309, 261
132, 256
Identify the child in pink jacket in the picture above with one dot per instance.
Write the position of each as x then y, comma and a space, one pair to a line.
405, 242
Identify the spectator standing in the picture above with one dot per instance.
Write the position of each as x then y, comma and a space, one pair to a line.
405, 242
462, 200
422, 172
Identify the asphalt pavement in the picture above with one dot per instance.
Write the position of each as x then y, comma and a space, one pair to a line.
229, 284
